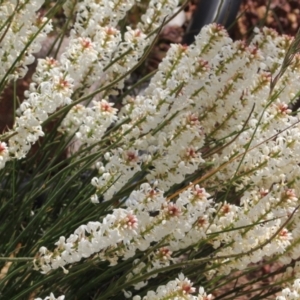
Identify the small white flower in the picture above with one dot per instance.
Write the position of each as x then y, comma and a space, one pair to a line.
94, 199
52, 297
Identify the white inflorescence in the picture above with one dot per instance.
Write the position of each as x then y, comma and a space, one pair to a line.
134, 228
181, 288
216, 103
292, 293
51, 297
200, 95
23, 32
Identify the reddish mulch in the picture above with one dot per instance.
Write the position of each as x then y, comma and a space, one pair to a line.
281, 15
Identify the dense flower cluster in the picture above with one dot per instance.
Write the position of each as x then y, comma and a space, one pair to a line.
206, 158
125, 231
52, 88
290, 294
180, 288
21, 28
126, 53
200, 105
90, 239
